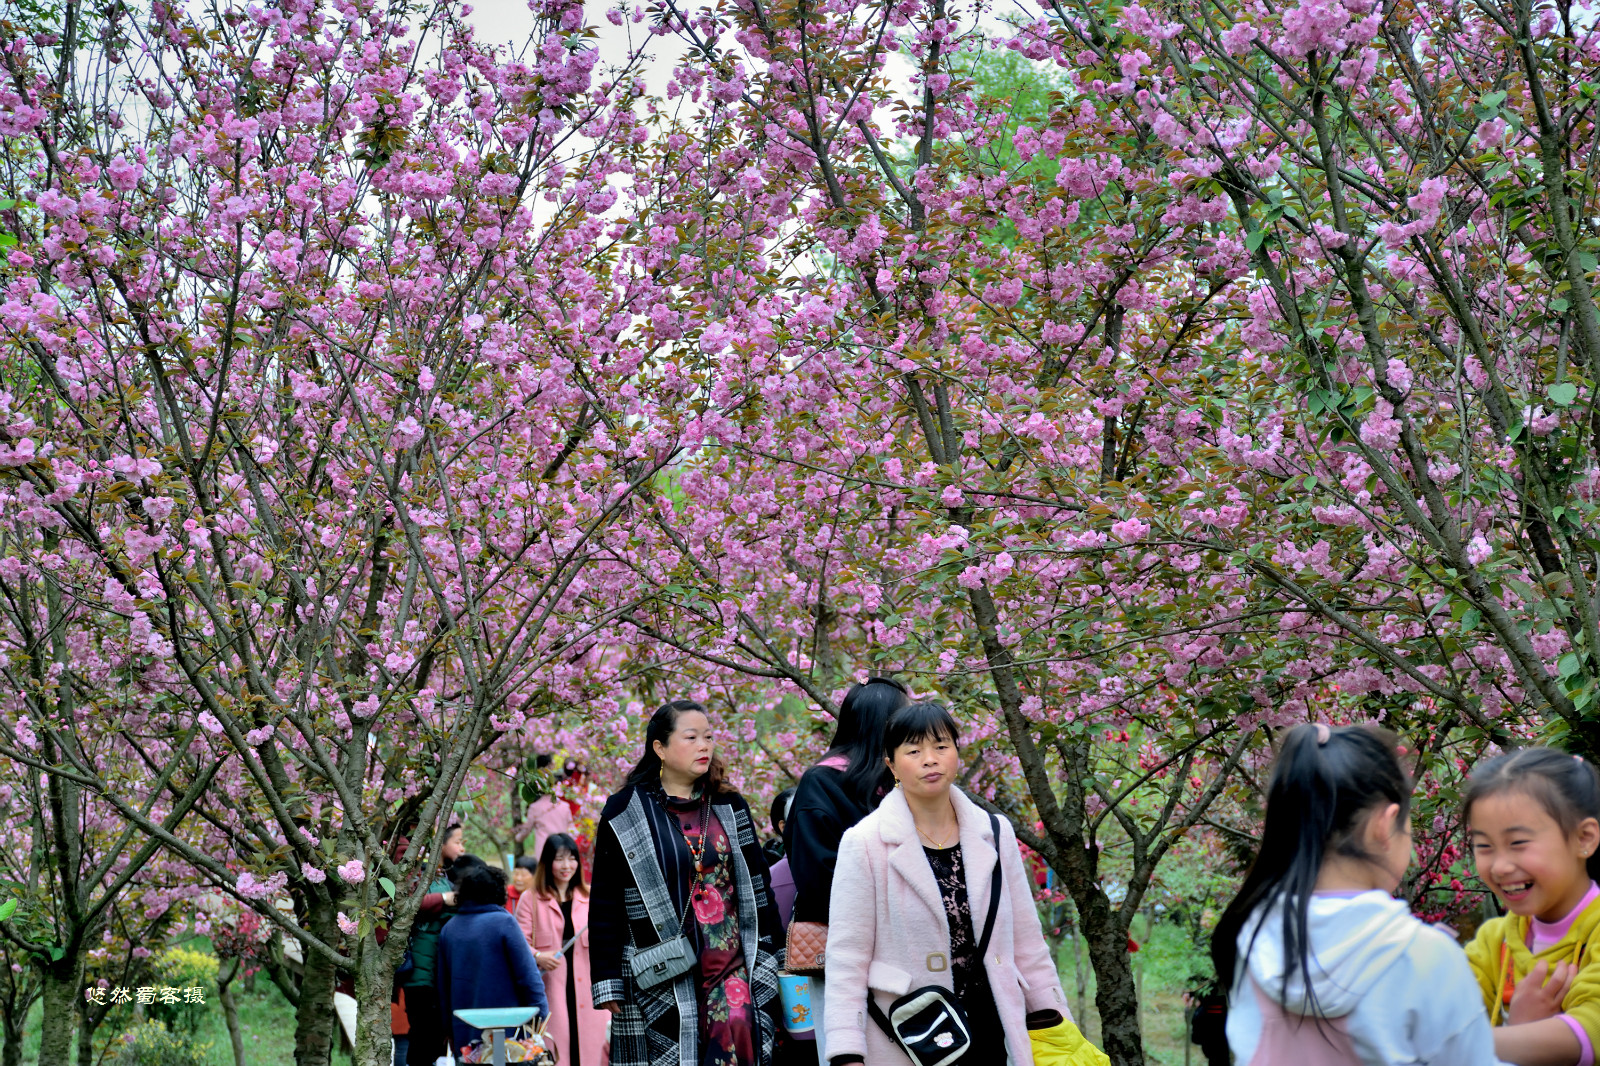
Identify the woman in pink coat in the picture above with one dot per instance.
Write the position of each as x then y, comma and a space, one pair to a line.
910, 895
554, 916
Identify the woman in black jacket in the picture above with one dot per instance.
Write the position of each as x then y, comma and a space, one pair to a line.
834, 795
676, 853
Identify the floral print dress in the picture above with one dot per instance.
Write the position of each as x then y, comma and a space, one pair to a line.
971, 979
727, 1015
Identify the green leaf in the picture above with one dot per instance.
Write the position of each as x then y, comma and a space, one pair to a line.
1470, 619
387, 886
1253, 240
1493, 100
7, 909
1569, 665
1563, 394
1559, 304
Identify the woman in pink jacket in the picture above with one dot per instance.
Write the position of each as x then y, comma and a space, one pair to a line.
554, 916
910, 894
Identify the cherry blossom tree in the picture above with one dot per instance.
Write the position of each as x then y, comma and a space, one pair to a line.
1085, 417
370, 394
320, 398
1410, 183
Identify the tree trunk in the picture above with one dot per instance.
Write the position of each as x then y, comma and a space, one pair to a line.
374, 988
85, 1035
1114, 994
1078, 973
11, 1054
62, 980
230, 1008
314, 1017
1075, 858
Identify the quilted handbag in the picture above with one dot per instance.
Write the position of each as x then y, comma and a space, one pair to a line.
808, 944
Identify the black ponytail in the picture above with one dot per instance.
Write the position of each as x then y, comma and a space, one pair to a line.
1324, 782
1567, 787
863, 715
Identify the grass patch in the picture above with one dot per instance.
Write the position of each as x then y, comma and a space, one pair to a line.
266, 1021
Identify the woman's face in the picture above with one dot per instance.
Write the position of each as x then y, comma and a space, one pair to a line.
452, 846
522, 878
687, 752
565, 867
926, 767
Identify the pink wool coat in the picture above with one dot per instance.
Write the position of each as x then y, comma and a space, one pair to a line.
540, 919
888, 933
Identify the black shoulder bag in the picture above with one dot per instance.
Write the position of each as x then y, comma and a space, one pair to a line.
929, 1023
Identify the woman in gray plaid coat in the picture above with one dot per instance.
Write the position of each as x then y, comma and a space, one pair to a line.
682, 927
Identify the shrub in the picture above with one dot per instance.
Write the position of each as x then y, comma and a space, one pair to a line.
153, 1044
182, 968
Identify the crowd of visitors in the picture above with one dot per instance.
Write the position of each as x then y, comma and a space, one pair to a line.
673, 956
889, 919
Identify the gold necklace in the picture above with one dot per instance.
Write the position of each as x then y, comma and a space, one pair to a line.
934, 843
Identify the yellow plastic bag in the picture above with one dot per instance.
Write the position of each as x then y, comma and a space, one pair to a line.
1063, 1045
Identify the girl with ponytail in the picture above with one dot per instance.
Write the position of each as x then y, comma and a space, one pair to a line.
1325, 966
1534, 820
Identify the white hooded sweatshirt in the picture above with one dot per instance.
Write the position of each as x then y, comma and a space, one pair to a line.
1403, 988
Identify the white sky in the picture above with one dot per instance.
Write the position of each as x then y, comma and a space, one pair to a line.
509, 22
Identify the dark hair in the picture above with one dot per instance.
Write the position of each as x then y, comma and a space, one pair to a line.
1566, 787
464, 862
544, 878
662, 723
529, 863
1324, 782
916, 722
780, 808
481, 883
863, 713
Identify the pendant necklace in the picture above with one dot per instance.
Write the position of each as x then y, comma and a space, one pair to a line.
935, 844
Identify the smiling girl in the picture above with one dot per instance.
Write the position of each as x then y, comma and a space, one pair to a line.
1534, 817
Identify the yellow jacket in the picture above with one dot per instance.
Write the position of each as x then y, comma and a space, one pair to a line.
1500, 958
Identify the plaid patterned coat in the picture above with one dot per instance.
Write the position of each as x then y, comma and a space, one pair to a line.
642, 867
